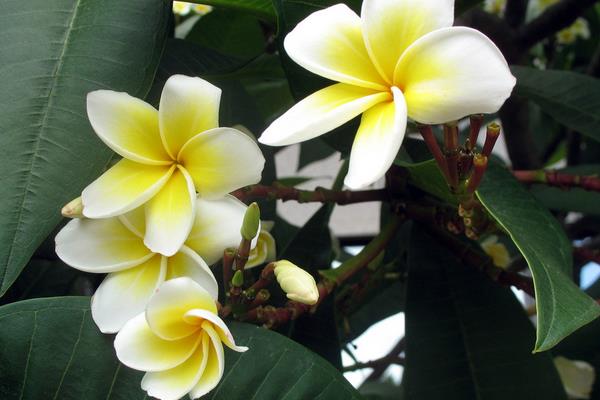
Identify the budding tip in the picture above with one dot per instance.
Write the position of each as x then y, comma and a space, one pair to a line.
480, 160
251, 222
493, 129
73, 209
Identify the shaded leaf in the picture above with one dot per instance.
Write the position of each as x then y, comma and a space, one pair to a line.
260, 8
466, 337
562, 307
571, 98
53, 53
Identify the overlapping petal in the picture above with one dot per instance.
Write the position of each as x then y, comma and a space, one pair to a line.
198, 316
216, 227
167, 307
215, 364
174, 383
389, 27
321, 112
330, 43
453, 72
125, 186
100, 246
135, 221
124, 294
222, 160
170, 214
127, 125
188, 106
377, 142
188, 263
139, 348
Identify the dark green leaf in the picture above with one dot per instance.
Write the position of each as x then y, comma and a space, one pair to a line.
51, 349
466, 337
572, 99
562, 307
313, 150
260, 8
229, 32
53, 53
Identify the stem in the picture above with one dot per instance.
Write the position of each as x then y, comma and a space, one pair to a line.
383, 361
562, 180
434, 148
350, 267
320, 195
474, 128
392, 355
228, 258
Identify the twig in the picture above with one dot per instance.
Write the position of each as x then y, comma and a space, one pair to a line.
320, 195
559, 179
386, 361
392, 355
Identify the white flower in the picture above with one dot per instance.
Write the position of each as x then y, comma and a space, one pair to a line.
169, 155
298, 284
115, 246
400, 59
497, 251
178, 340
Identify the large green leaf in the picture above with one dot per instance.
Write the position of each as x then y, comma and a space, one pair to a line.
260, 8
466, 337
572, 99
51, 349
562, 307
53, 53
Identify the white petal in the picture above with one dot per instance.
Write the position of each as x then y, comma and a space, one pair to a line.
215, 365
222, 160
127, 125
100, 245
329, 43
216, 227
196, 316
170, 214
124, 294
389, 27
188, 106
125, 186
172, 300
377, 142
135, 221
139, 348
451, 73
188, 263
174, 383
320, 113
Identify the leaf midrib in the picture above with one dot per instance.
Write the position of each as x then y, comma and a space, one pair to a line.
35, 154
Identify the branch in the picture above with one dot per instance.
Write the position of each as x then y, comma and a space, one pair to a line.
552, 20
392, 355
585, 255
514, 13
381, 362
562, 180
320, 195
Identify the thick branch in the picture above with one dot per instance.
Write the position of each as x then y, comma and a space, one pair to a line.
320, 195
514, 13
552, 20
562, 180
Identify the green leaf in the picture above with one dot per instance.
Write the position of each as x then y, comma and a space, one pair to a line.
53, 53
312, 151
572, 99
562, 307
229, 32
466, 337
428, 177
260, 8
51, 349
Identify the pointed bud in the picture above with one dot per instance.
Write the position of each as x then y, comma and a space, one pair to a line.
73, 209
298, 284
251, 222
238, 279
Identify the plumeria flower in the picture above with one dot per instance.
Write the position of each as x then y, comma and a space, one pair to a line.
576, 376
497, 251
168, 156
399, 59
265, 250
115, 246
181, 8
178, 340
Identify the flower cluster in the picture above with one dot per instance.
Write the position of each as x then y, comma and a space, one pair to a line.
154, 222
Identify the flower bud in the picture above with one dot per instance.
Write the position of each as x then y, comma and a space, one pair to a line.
73, 209
251, 222
238, 279
298, 284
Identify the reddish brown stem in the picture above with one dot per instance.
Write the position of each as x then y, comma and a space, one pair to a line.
491, 135
320, 195
475, 127
562, 180
434, 148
